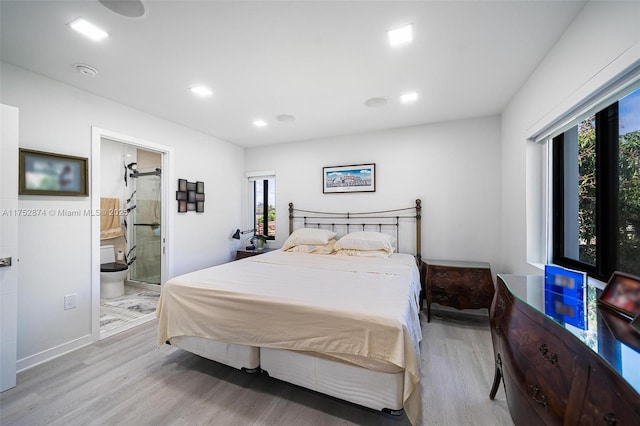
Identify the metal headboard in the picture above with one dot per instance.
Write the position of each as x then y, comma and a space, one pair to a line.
361, 221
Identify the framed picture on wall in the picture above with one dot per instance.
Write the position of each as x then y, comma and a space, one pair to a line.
355, 178
46, 173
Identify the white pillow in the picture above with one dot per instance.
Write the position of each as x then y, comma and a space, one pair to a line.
313, 248
363, 253
308, 236
366, 240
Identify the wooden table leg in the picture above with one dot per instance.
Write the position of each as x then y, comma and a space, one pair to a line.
496, 378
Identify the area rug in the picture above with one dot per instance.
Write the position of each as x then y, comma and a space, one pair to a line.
134, 304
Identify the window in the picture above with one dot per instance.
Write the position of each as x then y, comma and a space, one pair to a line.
596, 191
264, 206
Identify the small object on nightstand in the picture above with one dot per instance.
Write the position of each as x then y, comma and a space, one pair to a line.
241, 254
236, 235
460, 285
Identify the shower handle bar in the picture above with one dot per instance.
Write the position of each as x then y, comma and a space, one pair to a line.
157, 172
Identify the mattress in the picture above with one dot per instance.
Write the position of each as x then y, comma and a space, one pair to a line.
361, 309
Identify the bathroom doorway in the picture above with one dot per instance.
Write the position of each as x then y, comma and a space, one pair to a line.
133, 174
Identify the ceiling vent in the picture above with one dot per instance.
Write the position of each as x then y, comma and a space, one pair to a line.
127, 8
87, 70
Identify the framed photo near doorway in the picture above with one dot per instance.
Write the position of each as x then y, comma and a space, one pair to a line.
46, 173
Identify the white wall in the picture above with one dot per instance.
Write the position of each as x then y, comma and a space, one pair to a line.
112, 156
55, 251
603, 40
112, 171
453, 167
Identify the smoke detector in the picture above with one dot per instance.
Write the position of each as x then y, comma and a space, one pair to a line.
286, 118
87, 70
376, 102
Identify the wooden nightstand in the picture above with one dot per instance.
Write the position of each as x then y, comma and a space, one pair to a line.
241, 254
460, 285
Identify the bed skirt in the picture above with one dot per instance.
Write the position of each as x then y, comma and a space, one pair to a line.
237, 356
372, 389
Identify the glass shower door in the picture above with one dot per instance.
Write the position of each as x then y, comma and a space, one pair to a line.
146, 236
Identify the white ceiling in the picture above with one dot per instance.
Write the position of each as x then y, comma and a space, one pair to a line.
317, 60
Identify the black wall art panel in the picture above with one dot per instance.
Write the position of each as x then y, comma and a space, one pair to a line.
190, 196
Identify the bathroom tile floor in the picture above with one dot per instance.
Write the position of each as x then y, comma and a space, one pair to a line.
135, 303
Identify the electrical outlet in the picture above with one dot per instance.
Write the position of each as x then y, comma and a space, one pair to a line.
69, 301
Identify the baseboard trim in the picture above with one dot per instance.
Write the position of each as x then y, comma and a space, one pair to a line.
55, 352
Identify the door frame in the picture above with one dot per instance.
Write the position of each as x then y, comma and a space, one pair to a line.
9, 133
166, 227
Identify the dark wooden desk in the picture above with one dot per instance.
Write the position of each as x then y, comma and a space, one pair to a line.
562, 362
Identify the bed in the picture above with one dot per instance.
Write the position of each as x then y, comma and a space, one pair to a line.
336, 310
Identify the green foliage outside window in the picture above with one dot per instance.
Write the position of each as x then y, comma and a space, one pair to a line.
629, 204
629, 197
587, 190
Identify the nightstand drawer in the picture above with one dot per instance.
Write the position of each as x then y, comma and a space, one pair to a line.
454, 280
241, 254
462, 300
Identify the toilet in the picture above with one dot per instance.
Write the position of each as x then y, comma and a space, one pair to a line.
112, 274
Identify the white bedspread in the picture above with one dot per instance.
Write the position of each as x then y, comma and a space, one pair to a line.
336, 305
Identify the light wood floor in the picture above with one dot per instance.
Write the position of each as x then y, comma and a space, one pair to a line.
127, 380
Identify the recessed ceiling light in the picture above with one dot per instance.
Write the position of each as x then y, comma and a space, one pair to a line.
259, 123
88, 29
87, 70
402, 35
201, 91
407, 98
375, 102
286, 118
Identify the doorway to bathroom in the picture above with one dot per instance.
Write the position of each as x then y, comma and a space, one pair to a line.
131, 180
131, 186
